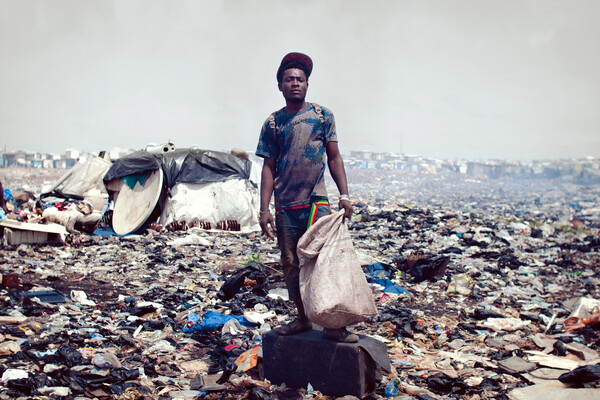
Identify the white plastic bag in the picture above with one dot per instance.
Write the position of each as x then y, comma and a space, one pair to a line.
333, 286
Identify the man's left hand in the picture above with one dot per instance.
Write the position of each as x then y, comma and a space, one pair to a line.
347, 206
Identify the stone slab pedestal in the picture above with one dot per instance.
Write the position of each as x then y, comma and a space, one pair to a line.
334, 369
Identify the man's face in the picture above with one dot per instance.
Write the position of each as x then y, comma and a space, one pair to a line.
294, 85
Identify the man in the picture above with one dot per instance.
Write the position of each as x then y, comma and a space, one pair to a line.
295, 143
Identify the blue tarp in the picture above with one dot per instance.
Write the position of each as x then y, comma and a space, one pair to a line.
377, 274
212, 320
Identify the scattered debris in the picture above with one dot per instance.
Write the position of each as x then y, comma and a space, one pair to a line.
480, 293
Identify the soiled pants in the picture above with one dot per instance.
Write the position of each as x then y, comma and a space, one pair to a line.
291, 225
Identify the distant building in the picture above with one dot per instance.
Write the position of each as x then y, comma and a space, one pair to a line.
584, 170
361, 155
72, 154
15, 159
61, 164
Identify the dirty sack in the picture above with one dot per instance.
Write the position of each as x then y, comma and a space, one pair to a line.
333, 286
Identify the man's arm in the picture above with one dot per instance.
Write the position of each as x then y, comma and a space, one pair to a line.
338, 173
266, 191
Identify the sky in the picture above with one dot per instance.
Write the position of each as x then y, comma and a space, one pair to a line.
464, 79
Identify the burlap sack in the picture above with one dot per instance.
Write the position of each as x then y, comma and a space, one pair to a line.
333, 286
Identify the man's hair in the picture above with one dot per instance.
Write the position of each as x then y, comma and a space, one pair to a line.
293, 64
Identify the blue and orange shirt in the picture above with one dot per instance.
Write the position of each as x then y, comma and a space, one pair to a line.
297, 144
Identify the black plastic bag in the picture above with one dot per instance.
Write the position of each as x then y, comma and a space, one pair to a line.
582, 375
255, 272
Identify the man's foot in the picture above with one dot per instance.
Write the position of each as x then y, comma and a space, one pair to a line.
340, 335
296, 326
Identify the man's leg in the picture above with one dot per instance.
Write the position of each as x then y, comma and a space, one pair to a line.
289, 231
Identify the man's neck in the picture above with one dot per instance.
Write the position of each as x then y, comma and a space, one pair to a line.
294, 107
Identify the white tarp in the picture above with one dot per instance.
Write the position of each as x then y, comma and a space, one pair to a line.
234, 199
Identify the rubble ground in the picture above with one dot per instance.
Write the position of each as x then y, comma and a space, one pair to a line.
485, 289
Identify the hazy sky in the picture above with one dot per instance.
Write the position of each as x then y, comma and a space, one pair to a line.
447, 79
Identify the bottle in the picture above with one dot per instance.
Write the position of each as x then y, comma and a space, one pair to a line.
391, 388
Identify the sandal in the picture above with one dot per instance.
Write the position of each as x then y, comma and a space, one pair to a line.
340, 335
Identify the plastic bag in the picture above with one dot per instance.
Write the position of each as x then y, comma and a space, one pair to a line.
254, 274
586, 312
333, 286
460, 284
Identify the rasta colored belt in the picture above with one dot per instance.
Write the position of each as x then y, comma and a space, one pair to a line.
314, 208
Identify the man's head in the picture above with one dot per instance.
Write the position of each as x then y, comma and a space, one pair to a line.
295, 60
292, 77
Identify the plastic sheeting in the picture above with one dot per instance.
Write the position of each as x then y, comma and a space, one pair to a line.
213, 202
183, 166
203, 185
84, 179
212, 320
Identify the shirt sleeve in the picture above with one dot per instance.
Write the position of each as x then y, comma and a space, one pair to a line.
329, 131
267, 145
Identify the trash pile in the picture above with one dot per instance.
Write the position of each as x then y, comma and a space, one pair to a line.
480, 293
175, 190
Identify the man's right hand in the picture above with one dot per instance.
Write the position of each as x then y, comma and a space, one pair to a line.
266, 223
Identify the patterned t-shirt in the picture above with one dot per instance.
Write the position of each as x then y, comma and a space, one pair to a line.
299, 153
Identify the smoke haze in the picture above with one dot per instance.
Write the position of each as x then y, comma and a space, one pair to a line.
460, 79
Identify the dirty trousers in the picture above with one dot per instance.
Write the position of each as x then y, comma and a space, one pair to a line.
291, 225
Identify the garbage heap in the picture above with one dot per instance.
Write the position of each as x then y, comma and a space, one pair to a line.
481, 294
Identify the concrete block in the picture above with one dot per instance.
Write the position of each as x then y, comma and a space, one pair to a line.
334, 369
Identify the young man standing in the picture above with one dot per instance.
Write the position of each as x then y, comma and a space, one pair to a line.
296, 142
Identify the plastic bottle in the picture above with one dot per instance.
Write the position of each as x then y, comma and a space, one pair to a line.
460, 284
391, 388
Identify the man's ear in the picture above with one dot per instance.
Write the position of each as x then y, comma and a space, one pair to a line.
280, 87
